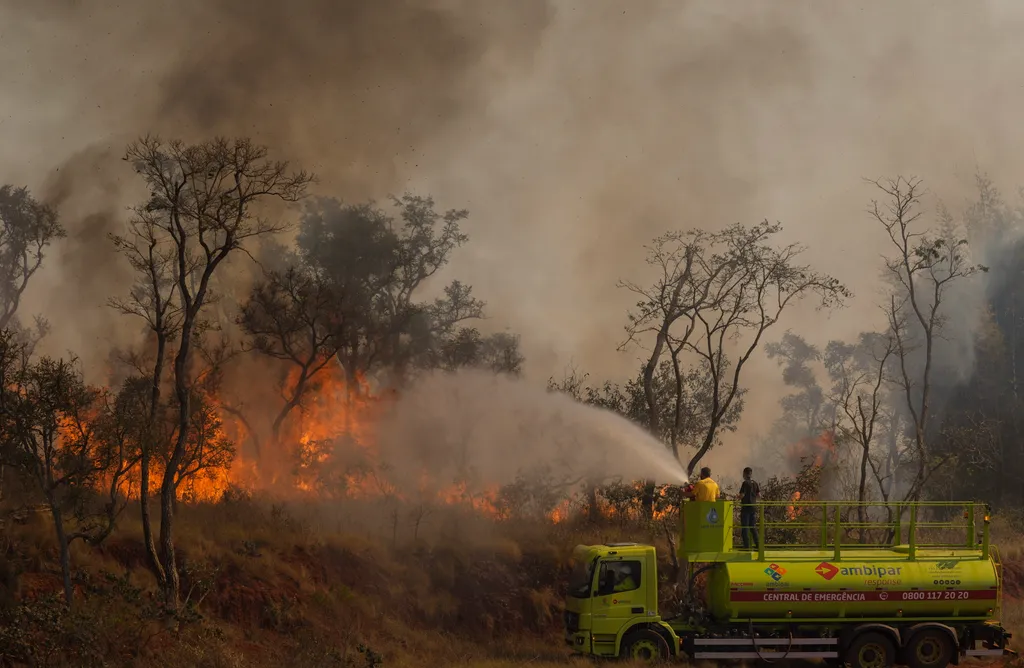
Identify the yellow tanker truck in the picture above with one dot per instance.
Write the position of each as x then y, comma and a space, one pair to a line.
919, 587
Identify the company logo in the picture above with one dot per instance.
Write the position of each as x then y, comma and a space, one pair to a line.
946, 565
775, 572
712, 516
829, 571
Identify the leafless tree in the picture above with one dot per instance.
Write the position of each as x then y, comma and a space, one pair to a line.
418, 514
922, 269
860, 374
713, 290
150, 251
202, 208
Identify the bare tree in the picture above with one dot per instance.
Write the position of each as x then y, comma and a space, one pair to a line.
860, 373
714, 289
681, 396
923, 269
418, 514
202, 208
150, 250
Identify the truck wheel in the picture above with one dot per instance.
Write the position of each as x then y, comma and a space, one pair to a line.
870, 650
931, 648
645, 645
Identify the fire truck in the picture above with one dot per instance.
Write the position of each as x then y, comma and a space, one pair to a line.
869, 585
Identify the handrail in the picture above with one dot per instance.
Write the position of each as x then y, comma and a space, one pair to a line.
839, 525
999, 582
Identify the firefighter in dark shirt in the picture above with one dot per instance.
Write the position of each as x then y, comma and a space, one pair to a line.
750, 494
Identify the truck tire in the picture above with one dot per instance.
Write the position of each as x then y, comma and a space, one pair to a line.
645, 645
929, 648
870, 650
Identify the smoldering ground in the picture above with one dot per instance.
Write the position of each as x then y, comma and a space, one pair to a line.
574, 132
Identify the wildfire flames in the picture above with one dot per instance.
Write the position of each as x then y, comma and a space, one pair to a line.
326, 448
817, 450
791, 510
604, 509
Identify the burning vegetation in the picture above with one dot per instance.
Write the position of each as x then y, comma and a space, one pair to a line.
225, 485
286, 397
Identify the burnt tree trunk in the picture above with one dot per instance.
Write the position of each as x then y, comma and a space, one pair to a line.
62, 544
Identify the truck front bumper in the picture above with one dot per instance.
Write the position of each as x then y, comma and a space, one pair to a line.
578, 640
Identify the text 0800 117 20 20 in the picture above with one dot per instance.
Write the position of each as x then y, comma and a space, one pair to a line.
859, 596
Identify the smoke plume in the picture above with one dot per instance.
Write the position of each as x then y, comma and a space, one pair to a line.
574, 132
347, 89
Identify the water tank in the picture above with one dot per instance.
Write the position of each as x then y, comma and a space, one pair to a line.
875, 583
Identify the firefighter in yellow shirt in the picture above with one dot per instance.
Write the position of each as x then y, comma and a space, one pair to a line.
705, 489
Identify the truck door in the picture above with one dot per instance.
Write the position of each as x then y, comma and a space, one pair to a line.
620, 593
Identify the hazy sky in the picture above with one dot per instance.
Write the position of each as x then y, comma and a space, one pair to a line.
573, 131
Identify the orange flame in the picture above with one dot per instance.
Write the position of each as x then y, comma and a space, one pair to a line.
326, 446
820, 449
559, 513
791, 510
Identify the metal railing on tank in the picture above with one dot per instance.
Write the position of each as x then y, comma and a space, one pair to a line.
903, 527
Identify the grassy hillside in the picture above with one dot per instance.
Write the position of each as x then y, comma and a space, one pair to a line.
274, 587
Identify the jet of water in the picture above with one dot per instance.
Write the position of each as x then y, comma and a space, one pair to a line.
493, 428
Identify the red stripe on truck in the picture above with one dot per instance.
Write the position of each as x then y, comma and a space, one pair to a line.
860, 596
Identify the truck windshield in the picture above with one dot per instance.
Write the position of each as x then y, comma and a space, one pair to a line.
580, 579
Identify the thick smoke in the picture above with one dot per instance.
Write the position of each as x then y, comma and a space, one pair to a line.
347, 89
574, 132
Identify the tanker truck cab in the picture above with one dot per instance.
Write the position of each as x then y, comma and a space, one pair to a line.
612, 602
923, 594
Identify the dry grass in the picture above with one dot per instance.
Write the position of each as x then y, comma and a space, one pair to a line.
288, 589
283, 588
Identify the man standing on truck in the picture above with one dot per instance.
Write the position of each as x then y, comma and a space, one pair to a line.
750, 494
705, 489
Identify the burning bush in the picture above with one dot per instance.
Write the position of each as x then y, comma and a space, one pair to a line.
777, 491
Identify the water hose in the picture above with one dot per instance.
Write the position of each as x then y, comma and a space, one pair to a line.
760, 656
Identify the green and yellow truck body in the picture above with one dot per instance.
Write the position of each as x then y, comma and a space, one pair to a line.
820, 592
